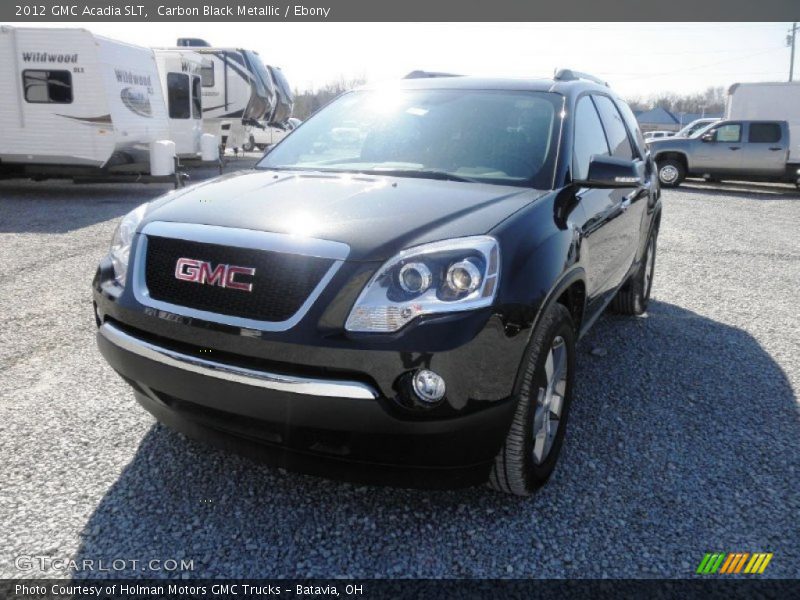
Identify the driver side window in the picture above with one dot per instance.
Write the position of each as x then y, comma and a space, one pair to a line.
730, 133
590, 139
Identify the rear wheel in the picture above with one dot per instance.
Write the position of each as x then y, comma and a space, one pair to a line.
249, 145
671, 172
634, 296
543, 396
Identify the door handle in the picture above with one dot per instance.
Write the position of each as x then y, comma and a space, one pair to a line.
776, 149
734, 148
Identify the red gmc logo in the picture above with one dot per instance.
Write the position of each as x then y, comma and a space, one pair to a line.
200, 271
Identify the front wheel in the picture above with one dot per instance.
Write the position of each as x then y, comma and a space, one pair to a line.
671, 172
249, 145
634, 296
543, 396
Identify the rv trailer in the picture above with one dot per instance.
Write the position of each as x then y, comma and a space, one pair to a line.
285, 98
237, 90
779, 101
80, 106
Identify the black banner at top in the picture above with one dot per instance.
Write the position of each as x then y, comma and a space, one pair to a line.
397, 10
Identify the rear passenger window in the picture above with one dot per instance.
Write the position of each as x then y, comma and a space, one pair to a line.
590, 139
633, 127
615, 129
764, 133
47, 87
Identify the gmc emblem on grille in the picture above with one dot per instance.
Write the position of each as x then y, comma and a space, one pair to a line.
200, 271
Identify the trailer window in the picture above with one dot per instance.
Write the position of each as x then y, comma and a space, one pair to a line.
207, 72
764, 133
179, 96
47, 87
197, 107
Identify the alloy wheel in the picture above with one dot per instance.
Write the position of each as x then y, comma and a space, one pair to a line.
550, 400
649, 266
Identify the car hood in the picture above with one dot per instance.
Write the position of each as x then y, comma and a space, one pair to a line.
375, 215
670, 143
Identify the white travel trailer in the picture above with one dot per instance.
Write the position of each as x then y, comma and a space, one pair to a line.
79, 105
779, 101
179, 72
237, 90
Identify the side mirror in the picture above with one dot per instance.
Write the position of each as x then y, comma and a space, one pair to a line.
610, 172
707, 137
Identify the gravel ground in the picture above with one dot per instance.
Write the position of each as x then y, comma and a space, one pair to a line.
684, 436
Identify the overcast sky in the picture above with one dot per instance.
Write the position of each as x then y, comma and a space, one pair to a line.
636, 58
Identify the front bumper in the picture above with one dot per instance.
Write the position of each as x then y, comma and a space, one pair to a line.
330, 426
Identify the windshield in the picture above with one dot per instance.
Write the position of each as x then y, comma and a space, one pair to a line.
503, 137
694, 127
701, 130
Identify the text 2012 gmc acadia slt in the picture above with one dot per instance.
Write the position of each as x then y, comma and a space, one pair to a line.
395, 292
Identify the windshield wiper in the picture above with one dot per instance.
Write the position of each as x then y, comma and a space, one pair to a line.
420, 173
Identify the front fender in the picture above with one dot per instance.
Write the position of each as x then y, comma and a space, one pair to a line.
540, 248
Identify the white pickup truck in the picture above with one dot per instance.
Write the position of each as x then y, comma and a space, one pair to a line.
260, 139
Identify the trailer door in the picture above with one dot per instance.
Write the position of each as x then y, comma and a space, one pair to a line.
179, 106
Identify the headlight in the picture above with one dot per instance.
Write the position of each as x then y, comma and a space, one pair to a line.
448, 276
121, 242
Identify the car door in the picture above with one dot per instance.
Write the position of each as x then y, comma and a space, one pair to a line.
719, 150
631, 202
765, 153
602, 249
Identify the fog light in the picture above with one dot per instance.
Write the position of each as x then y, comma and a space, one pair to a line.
428, 386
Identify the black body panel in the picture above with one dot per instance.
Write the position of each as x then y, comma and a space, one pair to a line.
569, 244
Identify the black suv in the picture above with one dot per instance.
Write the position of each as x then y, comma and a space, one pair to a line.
395, 292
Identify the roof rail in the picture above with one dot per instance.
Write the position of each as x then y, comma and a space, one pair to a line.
570, 75
428, 74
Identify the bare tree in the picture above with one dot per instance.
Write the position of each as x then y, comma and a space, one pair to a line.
712, 100
308, 102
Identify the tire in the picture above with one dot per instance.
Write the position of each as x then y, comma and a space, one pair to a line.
634, 296
671, 172
522, 465
249, 145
